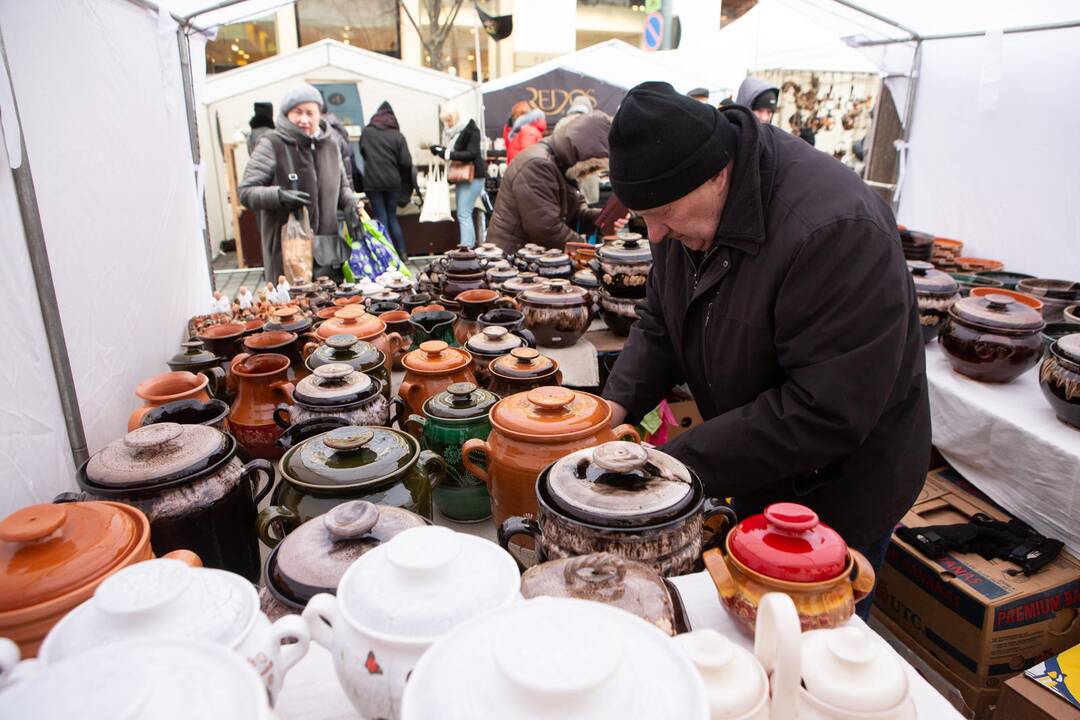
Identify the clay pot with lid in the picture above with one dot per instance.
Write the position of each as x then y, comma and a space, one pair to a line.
450, 418
621, 498
493, 342
992, 338
500, 272
522, 282
188, 480
356, 321
377, 464
787, 549
528, 256
288, 318
262, 383
521, 370
166, 388
314, 556
194, 358
354, 352
53, 557
214, 413
555, 264
462, 260
475, 303
530, 431
936, 292
558, 314
624, 267
430, 369
336, 390
488, 250
223, 340
619, 313
1059, 378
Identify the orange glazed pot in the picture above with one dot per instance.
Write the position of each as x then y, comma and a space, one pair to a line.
531, 430
262, 383
166, 388
53, 557
356, 321
430, 369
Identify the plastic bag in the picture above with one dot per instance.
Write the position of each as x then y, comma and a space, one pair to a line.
372, 253
436, 206
296, 238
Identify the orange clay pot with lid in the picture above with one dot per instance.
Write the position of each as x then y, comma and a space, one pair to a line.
355, 320
430, 369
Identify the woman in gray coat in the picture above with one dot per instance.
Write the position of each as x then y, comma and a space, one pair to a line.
297, 165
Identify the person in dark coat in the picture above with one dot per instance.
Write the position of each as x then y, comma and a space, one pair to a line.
345, 145
537, 200
261, 122
387, 170
461, 142
760, 96
780, 294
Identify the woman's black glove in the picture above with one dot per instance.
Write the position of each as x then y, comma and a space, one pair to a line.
293, 199
438, 150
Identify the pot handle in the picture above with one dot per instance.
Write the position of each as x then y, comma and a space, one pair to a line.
507, 301
396, 343
518, 525
287, 643
718, 571
185, 556
281, 416
481, 448
718, 519
136, 417
321, 615
238, 358
627, 432
433, 467
777, 640
863, 582
530, 341
66, 497
283, 388
414, 425
308, 348
271, 517
216, 383
258, 467
594, 265
409, 390
397, 411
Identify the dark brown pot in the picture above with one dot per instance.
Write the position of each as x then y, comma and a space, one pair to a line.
1059, 378
992, 338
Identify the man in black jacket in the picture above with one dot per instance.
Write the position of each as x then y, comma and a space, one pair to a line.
780, 294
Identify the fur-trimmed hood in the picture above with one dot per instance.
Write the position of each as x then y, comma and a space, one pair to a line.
582, 141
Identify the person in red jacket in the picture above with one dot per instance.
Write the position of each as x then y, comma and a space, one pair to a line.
526, 127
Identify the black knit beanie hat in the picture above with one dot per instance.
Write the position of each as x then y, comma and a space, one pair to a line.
665, 144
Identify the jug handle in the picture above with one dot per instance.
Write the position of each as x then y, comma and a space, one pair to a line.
396, 342
518, 525
289, 640
777, 639
507, 301
308, 348
717, 568
269, 517
434, 468
719, 519
281, 416
414, 425
626, 432
863, 582
216, 382
283, 388
481, 448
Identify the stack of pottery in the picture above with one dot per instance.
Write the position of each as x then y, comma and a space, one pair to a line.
992, 338
336, 390
558, 314
521, 370
357, 354
450, 418
520, 283
554, 264
945, 253
262, 383
528, 256
917, 245
475, 303
624, 267
489, 251
429, 370
461, 269
190, 484
978, 265
492, 343
1059, 378
499, 272
167, 388
1056, 295
358, 322
937, 292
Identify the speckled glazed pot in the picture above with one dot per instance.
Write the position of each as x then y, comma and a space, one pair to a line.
558, 314
1059, 378
339, 391
936, 292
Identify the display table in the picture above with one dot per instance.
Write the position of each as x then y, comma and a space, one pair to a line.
1008, 443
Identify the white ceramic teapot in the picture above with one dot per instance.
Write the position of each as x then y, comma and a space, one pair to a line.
735, 682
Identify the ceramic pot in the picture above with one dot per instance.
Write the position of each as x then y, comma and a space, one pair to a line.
399, 598
187, 479
992, 338
325, 313
53, 557
624, 267
461, 260
450, 418
167, 599
190, 412
395, 282
380, 465
528, 256
223, 340
1056, 295
429, 370
529, 432
288, 318
454, 284
555, 657
789, 550
492, 343
619, 314
356, 321
166, 388
1023, 298
475, 303
1008, 280
521, 370
314, 556
735, 682
432, 325
194, 359
339, 391
489, 251
512, 320
499, 273
383, 306
1059, 378
557, 315
280, 342
398, 321
385, 296
414, 300
524, 281
341, 302
262, 383
969, 282
625, 499
587, 280
357, 354
1071, 314
936, 292
555, 264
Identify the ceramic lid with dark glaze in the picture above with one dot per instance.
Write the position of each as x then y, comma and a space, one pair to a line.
585, 278
289, 318
998, 312
194, 356
436, 357
522, 364
335, 384
625, 250
460, 401
1068, 347
49, 550
158, 454
313, 557
550, 412
620, 483
523, 281
929, 281
554, 258
788, 542
350, 456
346, 348
556, 293
493, 340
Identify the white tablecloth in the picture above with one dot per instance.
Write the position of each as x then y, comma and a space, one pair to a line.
1006, 440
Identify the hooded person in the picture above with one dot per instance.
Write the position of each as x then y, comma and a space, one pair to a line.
760, 96
261, 122
779, 293
537, 201
526, 127
387, 170
297, 165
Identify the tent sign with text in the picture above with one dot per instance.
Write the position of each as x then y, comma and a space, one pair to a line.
553, 92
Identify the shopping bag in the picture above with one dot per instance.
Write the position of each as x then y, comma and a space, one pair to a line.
296, 240
372, 252
436, 206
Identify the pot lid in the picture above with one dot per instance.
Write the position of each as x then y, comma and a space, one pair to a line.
160, 599
346, 290
49, 550
143, 680
313, 557
929, 281
849, 669
999, 312
522, 282
1068, 347
460, 401
194, 355
788, 542
156, 454
351, 319
492, 340
221, 332
550, 411
586, 278
344, 347
435, 356
620, 482
730, 671
606, 578
522, 363
335, 384
1058, 289
554, 658
554, 257
461, 252
556, 292
288, 317
425, 581
626, 250
353, 455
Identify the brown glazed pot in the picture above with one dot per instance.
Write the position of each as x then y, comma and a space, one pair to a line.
485, 346
356, 321
475, 303
461, 260
281, 342
223, 340
624, 266
530, 431
166, 388
558, 314
521, 370
992, 338
936, 292
429, 370
1059, 378
262, 384
357, 354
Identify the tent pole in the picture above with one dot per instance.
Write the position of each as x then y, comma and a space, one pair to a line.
1064, 25
43, 281
880, 18
909, 114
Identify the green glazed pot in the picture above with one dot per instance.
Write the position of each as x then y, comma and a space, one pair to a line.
453, 416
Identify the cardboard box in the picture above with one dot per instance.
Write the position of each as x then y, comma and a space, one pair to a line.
1024, 699
978, 620
686, 415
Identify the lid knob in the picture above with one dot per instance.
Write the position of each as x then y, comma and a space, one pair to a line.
285, 311
550, 397
153, 437
631, 243
342, 341
351, 519
32, 523
192, 347
919, 267
494, 332
620, 456
433, 348
332, 372
596, 569
998, 302
350, 314
558, 285
849, 646
791, 517
461, 393
347, 439
524, 355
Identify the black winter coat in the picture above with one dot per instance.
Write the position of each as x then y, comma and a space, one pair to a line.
467, 149
799, 338
387, 161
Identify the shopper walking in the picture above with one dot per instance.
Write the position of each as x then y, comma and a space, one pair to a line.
387, 171
461, 143
526, 127
261, 123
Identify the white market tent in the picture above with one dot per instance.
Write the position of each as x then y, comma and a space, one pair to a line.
106, 94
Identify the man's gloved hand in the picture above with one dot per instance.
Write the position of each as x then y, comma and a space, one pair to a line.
293, 199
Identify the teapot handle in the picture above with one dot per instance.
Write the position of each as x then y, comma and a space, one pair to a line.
777, 639
269, 518
863, 582
252, 471
518, 525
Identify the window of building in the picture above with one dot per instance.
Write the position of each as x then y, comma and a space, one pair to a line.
241, 43
369, 24
602, 20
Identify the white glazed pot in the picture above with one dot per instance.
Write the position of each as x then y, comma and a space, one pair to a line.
399, 598
735, 683
166, 599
